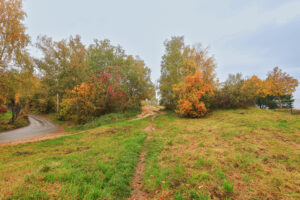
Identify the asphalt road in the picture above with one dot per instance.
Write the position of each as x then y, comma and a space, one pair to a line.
38, 126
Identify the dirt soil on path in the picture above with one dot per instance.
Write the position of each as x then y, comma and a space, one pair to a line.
138, 193
149, 111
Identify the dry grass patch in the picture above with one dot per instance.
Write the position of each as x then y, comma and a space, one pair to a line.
233, 154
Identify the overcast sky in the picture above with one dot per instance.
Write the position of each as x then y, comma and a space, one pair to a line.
245, 36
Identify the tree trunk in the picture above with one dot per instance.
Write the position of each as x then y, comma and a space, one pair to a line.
15, 110
57, 102
280, 104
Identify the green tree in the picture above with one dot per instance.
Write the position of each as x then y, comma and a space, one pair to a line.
136, 82
115, 82
138, 85
63, 65
171, 70
179, 62
234, 93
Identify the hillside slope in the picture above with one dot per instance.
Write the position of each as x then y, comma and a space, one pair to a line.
233, 154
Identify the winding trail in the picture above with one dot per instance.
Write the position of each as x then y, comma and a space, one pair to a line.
38, 127
138, 193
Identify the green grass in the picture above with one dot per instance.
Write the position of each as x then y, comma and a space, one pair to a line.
228, 186
230, 154
105, 119
5, 119
99, 121
95, 164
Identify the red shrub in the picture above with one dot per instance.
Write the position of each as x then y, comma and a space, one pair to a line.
3, 109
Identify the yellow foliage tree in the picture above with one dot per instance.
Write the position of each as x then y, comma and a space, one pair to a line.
279, 84
196, 59
13, 38
79, 103
254, 86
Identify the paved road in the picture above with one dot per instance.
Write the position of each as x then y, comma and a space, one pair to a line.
38, 126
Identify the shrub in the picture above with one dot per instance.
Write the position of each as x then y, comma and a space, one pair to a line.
191, 94
233, 94
3, 109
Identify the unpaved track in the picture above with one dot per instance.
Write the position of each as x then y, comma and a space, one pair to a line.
148, 111
138, 193
38, 127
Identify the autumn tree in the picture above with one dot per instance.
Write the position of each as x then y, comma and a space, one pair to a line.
235, 92
171, 65
3, 87
191, 94
102, 53
42, 101
79, 103
197, 59
13, 41
179, 62
63, 65
253, 88
137, 82
135, 76
113, 92
101, 94
13, 38
21, 85
279, 84
115, 82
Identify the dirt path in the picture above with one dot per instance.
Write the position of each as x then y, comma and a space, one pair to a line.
138, 193
148, 111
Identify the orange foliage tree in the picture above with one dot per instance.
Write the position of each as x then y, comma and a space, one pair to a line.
279, 84
191, 94
103, 93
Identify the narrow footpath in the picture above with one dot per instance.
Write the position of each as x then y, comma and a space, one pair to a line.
137, 193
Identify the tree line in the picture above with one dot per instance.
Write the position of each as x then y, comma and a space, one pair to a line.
188, 83
78, 82
81, 82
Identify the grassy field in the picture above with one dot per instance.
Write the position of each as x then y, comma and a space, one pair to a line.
233, 154
230, 154
5, 119
95, 164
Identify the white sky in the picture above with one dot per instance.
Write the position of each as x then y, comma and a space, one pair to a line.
245, 36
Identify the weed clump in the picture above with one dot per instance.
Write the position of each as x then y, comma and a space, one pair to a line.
45, 168
228, 186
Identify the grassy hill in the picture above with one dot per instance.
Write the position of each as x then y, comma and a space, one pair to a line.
230, 154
